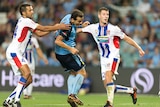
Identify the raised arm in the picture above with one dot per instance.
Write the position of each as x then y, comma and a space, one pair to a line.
133, 43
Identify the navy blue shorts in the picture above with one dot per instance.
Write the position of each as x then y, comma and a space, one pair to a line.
70, 62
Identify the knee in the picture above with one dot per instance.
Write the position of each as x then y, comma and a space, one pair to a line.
30, 79
84, 74
27, 74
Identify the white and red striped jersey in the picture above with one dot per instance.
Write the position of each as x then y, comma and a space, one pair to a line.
22, 35
29, 54
107, 39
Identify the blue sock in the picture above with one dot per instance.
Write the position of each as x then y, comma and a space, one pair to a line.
70, 82
77, 83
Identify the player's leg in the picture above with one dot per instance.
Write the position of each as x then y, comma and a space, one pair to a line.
28, 90
123, 89
109, 86
70, 82
109, 69
15, 95
129, 90
78, 66
25, 93
24, 81
77, 85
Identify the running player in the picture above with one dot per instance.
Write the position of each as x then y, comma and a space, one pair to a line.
107, 37
68, 56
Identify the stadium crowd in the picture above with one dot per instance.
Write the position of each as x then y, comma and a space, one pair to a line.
139, 19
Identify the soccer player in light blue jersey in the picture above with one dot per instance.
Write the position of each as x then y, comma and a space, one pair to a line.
68, 56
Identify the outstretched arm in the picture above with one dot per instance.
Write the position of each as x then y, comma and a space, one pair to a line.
53, 28
86, 23
79, 30
40, 33
133, 43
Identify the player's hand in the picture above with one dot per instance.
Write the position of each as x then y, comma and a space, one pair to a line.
141, 52
64, 26
46, 61
74, 50
86, 23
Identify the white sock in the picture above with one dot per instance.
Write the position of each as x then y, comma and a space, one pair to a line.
123, 89
20, 87
30, 88
110, 92
12, 96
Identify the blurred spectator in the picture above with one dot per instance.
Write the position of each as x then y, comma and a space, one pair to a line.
52, 61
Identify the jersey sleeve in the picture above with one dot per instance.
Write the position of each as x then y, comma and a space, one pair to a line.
35, 42
31, 24
65, 33
118, 32
66, 19
87, 29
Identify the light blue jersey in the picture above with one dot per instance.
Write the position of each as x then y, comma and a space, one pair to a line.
70, 37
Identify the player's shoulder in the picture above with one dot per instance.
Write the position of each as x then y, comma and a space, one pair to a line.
66, 19
113, 27
25, 19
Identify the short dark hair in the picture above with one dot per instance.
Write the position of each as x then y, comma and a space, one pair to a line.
102, 8
76, 13
22, 8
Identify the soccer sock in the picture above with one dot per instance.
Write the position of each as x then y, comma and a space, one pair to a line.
124, 89
20, 87
77, 83
30, 88
12, 96
25, 91
110, 92
70, 82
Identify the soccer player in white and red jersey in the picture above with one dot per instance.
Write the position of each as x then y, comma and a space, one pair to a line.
15, 51
107, 37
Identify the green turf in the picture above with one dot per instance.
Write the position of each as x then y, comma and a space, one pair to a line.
41, 99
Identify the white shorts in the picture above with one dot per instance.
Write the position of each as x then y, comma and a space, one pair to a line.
109, 64
16, 60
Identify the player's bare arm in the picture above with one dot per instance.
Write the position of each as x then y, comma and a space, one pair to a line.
86, 23
59, 42
40, 33
79, 30
54, 27
133, 43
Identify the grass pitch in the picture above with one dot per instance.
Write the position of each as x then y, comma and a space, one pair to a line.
41, 99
